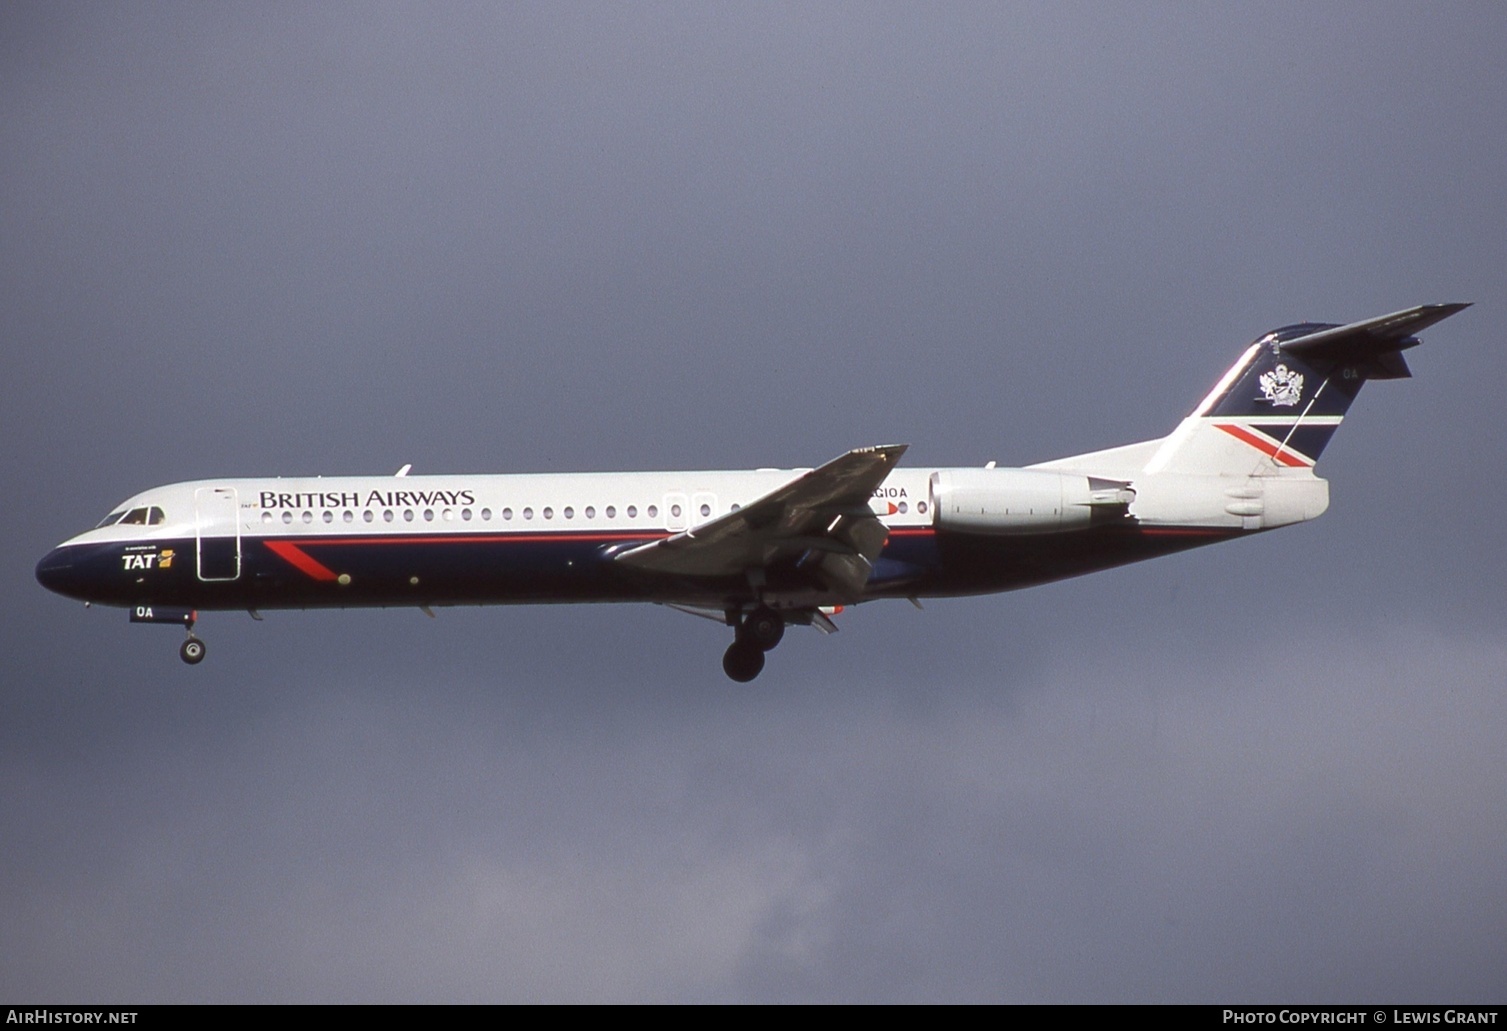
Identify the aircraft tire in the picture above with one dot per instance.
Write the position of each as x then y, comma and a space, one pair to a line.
764, 628
743, 661
192, 651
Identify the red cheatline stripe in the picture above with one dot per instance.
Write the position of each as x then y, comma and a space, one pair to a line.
491, 538
509, 537
1266, 447
292, 553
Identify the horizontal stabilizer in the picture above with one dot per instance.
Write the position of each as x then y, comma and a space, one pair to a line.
1373, 346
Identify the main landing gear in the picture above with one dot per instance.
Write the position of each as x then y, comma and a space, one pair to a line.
759, 632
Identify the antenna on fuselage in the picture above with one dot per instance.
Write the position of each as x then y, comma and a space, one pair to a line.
404, 471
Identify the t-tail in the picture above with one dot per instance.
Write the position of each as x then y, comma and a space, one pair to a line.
1279, 405
1244, 458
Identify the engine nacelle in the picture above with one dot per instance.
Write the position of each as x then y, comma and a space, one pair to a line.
1024, 501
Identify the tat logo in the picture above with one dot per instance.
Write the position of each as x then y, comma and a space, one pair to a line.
148, 560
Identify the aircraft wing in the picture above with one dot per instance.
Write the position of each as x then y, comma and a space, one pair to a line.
821, 518
1374, 344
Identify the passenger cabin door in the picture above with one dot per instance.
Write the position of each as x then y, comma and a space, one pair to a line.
217, 532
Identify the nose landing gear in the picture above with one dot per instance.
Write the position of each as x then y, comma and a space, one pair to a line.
192, 651
760, 631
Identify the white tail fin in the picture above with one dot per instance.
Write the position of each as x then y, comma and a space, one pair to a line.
1244, 458
1277, 407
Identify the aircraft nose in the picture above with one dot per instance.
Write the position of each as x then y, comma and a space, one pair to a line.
56, 571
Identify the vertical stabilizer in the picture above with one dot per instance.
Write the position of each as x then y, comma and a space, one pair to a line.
1279, 405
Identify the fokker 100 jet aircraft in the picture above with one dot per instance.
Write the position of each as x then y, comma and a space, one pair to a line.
757, 550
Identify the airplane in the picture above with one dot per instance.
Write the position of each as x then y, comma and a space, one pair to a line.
756, 550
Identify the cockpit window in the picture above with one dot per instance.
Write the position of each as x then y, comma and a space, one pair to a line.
111, 519
142, 517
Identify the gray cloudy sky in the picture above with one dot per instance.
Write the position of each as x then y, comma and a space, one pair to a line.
287, 239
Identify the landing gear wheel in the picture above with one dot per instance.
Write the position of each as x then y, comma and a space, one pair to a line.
743, 661
763, 627
192, 651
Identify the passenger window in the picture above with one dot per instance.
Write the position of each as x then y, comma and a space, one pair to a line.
611, 511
